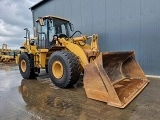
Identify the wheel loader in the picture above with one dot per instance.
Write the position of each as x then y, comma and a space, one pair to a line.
7, 55
3, 50
112, 77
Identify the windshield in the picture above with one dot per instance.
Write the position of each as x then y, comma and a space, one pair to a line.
61, 27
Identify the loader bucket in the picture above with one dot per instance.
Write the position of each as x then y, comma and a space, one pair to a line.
115, 78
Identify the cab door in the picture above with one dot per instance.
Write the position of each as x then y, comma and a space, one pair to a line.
42, 35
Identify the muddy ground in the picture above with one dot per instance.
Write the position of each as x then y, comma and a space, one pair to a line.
39, 99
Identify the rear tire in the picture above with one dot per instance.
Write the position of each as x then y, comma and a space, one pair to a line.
46, 68
64, 68
26, 66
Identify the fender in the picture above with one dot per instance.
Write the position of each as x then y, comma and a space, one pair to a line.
77, 50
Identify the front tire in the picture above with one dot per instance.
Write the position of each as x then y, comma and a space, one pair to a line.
64, 68
26, 66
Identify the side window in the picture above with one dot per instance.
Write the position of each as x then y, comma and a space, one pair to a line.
42, 32
51, 30
44, 28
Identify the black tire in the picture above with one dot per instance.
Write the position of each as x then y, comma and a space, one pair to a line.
28, 73
46, 68
71, 68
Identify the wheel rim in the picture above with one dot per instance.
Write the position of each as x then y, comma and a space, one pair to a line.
57, 69
23, 65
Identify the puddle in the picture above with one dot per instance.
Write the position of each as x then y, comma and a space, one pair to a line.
40, 99
47, 101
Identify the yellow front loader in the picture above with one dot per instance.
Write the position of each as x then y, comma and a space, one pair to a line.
7, 55
3, 52
112, 77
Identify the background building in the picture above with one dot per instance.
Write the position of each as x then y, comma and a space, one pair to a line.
122, 25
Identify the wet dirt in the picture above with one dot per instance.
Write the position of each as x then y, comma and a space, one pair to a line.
39, 99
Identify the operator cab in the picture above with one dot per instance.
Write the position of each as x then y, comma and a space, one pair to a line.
49, 27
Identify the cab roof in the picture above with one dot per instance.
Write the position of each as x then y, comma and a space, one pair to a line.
52, 17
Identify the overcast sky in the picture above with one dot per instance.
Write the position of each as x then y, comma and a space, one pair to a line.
15, 15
